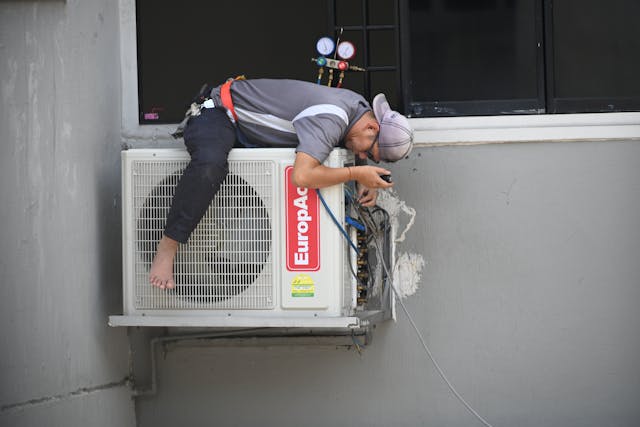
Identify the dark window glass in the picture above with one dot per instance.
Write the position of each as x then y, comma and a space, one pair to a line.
385, 82
478, 57
348, 13
382, 12
596, 55
431, 57
355, 82
183, 45
382, 48
474, 57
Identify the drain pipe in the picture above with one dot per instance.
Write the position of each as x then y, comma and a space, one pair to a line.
152, 390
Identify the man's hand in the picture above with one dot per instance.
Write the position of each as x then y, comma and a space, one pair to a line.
367, 196
369, 176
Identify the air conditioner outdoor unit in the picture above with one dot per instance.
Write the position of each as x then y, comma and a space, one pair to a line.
266, 254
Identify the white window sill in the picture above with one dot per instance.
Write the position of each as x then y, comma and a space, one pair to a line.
525, 128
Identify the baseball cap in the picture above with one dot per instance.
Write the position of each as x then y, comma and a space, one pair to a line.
396, 135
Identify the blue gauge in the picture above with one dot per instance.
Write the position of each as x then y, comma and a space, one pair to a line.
325, 46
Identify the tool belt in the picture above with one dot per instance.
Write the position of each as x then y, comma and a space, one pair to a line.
203, 100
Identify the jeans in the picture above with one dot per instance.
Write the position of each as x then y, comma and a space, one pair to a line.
209, 137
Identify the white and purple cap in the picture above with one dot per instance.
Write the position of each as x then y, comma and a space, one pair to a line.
396, 135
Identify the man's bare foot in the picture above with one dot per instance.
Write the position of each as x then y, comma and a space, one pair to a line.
161, 273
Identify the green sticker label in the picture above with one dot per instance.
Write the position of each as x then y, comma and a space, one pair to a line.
302, 286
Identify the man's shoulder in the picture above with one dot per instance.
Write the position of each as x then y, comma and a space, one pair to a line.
300, 87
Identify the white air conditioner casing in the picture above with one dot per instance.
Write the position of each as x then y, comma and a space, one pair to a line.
266, 254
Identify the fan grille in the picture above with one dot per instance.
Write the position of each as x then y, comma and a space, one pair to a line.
227, 262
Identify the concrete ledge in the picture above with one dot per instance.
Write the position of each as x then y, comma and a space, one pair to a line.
236, 321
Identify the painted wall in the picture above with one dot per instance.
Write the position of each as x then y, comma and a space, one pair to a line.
60, 264
528, 300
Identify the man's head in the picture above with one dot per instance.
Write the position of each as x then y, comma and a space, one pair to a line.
395, 138
381, 135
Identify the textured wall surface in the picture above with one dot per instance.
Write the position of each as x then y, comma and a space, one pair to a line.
59, 207
528, 300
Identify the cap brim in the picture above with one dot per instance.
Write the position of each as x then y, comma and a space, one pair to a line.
380, 106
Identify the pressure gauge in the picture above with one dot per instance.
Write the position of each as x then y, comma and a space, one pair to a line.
346, 50
325, 46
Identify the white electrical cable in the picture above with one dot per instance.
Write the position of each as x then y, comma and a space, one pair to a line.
413, 324
424, 344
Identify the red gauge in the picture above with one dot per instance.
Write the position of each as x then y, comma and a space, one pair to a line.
346, 50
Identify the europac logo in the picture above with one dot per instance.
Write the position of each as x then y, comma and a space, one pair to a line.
302, 214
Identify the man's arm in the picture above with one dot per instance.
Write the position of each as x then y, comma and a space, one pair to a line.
308, 172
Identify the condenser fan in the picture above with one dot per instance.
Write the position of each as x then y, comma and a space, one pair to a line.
227, 251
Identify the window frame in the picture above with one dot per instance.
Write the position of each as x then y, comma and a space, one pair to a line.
434, 131
132, 130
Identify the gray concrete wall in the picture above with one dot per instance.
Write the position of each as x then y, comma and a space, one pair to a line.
528, 301
60, 265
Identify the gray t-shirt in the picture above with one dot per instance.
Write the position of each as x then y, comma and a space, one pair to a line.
291, 113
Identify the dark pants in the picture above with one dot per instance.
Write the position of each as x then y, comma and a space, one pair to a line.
209, 137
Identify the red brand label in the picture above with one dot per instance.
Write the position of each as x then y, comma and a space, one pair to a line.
302, 226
